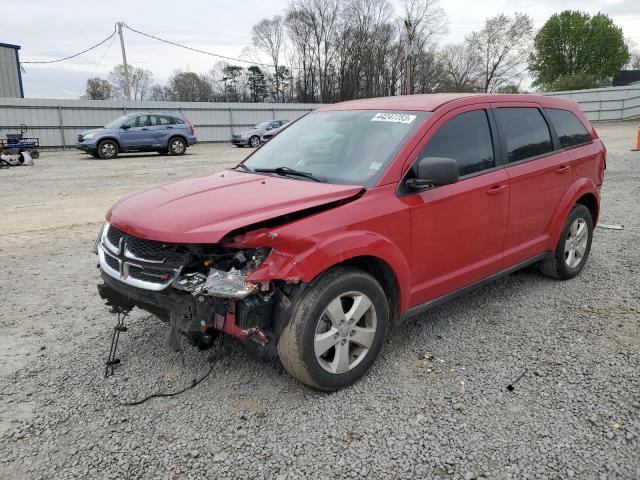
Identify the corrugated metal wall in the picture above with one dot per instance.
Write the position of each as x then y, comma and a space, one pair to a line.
613, 103
9, 77
53, 120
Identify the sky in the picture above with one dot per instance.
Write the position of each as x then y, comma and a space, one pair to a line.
64, 27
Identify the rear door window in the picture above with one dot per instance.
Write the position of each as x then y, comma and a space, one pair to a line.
570, 130
466, 138
525, 131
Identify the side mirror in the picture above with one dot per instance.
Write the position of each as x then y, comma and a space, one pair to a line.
433, 172
125, 127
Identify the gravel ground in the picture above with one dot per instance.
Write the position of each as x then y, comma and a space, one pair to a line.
435, 405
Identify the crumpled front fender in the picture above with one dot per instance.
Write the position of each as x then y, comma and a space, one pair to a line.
304, 259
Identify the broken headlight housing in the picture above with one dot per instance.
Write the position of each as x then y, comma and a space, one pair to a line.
226, 278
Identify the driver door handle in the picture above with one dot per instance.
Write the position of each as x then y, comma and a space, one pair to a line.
562, 169
497, 189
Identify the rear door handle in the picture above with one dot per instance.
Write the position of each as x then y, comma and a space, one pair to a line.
144, 129
169, 128
496, 189
563, 169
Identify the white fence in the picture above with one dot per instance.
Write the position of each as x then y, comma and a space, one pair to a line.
58, 122
612, 103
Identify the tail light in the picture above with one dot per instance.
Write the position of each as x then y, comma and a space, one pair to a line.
190, 125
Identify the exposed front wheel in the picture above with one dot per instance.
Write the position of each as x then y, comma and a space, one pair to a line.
254, 141
108, 149
336, 330
177, 146
573, 247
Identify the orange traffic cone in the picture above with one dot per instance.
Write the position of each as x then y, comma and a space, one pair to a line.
637, 149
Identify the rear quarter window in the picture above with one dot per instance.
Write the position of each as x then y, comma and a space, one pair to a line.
570, 130
525, 131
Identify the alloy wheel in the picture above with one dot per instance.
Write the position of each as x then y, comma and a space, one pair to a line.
575, 244
177, 147
108, 149
345, 332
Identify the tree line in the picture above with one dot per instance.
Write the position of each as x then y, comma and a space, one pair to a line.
333, 50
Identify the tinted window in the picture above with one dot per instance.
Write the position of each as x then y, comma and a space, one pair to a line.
162, 120
570, 130
526, 132
467, 139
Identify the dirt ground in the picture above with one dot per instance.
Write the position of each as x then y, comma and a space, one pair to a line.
578, 415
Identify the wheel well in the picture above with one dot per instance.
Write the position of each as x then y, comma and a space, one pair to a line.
112, 139
589, 201
383, 273
181, 137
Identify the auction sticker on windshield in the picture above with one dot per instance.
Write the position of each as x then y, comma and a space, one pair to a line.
393, 117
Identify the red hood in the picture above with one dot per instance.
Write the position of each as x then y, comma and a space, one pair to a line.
205, 209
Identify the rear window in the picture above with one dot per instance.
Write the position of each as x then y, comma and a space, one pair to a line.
525, 131
570, 130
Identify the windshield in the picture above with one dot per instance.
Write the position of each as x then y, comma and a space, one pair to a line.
349, 147
262, 125
116, 123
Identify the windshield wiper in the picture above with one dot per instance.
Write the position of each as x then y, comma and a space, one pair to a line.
284, 171
243, 166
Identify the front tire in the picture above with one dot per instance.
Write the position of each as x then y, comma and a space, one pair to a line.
177, 146
254, 141
336, 330
108, 149
573, 247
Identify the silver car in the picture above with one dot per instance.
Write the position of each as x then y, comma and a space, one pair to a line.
253, 135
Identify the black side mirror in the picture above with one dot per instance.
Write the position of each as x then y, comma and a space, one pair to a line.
434, 171
125, 127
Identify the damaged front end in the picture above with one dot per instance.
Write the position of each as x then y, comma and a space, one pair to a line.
200, 289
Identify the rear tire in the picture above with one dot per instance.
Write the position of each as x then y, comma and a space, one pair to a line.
108, 149
254, 141
574, 245
177, 146
336, 330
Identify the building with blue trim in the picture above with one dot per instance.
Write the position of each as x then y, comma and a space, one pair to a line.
10, 74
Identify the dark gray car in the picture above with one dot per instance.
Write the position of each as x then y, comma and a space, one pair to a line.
253, 135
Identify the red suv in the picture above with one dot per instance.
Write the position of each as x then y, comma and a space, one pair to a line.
354, 218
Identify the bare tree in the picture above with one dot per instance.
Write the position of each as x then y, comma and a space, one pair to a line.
462, 68
158, 93
97, 89
268, 36
503, 46
189, 87
140, 81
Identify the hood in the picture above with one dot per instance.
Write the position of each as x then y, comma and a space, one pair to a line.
205, 209
248, 131
92, 130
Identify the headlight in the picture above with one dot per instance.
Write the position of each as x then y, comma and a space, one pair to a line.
218, 283
231, 283
88, 136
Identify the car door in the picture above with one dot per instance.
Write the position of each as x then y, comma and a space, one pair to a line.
458, 230
138, 133
162, 128
539, 177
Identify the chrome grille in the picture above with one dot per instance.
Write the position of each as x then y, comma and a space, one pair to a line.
136, 261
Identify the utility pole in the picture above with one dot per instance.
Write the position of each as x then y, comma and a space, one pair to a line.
407, 77
127, 83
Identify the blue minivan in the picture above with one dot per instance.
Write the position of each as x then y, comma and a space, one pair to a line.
165, 133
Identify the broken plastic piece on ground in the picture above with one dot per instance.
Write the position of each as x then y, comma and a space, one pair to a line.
607, 226
511, 387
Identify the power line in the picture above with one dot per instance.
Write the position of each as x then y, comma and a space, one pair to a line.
77, 54
198, 50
